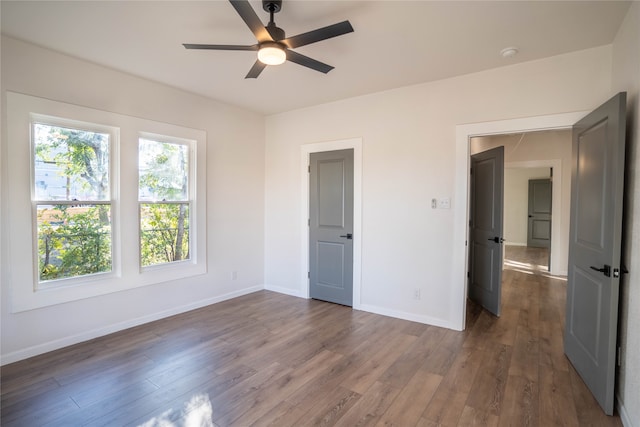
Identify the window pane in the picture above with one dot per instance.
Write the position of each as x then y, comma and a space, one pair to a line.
164, 230
163, 171
70, 164
73, 240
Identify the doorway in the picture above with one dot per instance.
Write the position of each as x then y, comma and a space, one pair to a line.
305, 154
331, 226
531, 155
463, 135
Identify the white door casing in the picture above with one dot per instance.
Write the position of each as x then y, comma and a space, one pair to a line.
461, 199
305, 151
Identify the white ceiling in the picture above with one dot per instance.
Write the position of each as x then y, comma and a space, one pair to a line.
395, 43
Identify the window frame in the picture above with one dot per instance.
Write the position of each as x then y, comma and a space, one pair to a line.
191, 188
114, 134
18, 198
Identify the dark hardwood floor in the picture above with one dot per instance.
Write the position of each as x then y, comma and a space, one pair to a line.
270, 359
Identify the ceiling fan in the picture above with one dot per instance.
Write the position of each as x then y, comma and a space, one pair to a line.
273, 46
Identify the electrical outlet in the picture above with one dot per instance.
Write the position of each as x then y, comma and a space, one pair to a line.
444, 203
434, 203
416, 293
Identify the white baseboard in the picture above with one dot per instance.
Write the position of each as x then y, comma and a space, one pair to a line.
95, 333
624, 415
427, 320
507, 243
373, 309
285, 291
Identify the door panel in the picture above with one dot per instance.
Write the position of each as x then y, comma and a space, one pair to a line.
485, 228
539, 223
595, 234
331, 226
331, 202
330, 257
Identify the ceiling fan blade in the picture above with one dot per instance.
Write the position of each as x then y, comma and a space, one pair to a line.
255, 71
320, 34
250, 18
305, 61
219, 46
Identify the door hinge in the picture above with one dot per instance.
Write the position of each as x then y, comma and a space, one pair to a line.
619, 356
308, 222
309, 169
470, 171
308, 275
468, 274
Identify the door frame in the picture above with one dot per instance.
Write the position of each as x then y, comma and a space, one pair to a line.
305, 152
464, 133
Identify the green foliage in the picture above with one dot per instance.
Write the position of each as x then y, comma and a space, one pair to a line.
164, 233
76, 240
83, 157
164, 226
73, 241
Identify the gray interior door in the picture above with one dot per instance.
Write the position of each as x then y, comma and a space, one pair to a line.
485, 228
331, 226
539, 223
593, 280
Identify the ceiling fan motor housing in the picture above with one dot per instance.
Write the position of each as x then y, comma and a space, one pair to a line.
272, 5
276, 33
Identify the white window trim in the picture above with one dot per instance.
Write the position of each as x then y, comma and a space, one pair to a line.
19, 223
114, 139
191, 201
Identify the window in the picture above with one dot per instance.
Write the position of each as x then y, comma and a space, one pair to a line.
96, 202
164, 207
72, 200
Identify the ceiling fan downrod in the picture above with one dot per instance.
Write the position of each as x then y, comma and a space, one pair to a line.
273, 7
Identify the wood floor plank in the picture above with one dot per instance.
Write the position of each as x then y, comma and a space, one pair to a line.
477, 417
520, 405
284, 387
378, 362
267, 359
487, 392
329, 408
525, 355
449, 401
407, 408
284, 414
370, 407
557, 407
404, 367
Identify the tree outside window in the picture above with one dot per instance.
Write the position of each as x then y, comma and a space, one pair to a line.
163, 193
72, 201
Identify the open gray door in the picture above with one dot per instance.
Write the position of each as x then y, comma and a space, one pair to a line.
331, 226
485, 228
539, 222
597, 181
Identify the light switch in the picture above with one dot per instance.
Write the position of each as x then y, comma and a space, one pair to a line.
444, 203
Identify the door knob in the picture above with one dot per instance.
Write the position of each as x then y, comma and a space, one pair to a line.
348, 236
606, 269
496, 239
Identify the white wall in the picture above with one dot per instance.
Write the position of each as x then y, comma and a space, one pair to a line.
235, 196
516, 202
626, 77
409, 157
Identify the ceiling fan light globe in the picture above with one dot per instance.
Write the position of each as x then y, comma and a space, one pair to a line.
272, 55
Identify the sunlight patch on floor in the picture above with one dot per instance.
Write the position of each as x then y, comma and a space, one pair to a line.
197, 412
